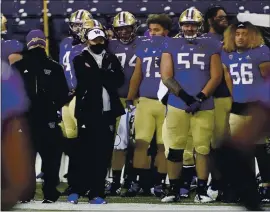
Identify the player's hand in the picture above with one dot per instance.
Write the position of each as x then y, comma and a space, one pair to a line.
129, 104
186, 97
195, 106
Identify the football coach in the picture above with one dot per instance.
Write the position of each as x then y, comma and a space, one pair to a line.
99, 74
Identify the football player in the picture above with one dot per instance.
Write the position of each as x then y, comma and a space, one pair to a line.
188, 173
247, 66
191, 69
215, 24
150, 112
124, 27
10, 49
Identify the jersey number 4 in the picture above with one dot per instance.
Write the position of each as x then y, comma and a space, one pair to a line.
66, 62
244, 76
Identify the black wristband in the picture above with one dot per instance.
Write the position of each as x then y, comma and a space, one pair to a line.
201, 96
186, 97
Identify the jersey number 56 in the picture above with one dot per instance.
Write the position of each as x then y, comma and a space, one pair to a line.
244, 76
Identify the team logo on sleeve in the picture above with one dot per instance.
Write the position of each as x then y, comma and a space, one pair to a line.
87, 65
47, 71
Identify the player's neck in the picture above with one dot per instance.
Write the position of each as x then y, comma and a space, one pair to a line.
212, 30
241, 50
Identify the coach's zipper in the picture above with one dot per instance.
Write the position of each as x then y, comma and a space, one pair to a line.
36, 85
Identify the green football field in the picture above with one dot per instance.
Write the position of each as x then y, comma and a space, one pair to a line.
138, 203
138, 199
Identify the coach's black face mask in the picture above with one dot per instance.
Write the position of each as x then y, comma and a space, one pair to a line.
98, 48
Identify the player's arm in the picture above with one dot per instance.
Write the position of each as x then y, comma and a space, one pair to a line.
135, 80
167, 76
265, 69
215, 75
13, 58
228, 78
166, 71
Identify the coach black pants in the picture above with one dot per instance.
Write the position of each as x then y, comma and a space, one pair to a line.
93, 154
47, 138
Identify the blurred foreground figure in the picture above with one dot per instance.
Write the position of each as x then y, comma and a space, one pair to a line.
234, 152
16, 167
250, 110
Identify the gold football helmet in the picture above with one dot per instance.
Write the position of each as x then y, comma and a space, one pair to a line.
87, 26
191, 16
125, 26
3, 24
76, 21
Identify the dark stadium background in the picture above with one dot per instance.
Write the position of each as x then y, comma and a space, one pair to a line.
24, 15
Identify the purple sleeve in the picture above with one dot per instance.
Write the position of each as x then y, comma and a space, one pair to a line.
14, 100
141, 46
167, 45
216, 46
263, 54
224, 58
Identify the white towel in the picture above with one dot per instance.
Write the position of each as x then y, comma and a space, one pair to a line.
162, 91
121, 138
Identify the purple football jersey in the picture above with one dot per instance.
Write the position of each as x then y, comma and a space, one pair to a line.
149, 51
222, 90
14, 100
64, 59
214, 36
248, 83
76, 50
127, 58
9, 47
191, 67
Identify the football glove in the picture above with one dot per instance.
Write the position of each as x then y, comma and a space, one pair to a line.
195, 106
186, 97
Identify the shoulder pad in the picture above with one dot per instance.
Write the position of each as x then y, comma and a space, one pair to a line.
177, 36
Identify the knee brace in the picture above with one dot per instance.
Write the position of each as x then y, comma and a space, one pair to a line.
202, 149
188, 158
175, 155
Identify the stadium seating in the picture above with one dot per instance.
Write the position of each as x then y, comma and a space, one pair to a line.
24, 15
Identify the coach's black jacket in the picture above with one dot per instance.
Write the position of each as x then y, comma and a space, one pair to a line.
45, 84
91, 79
